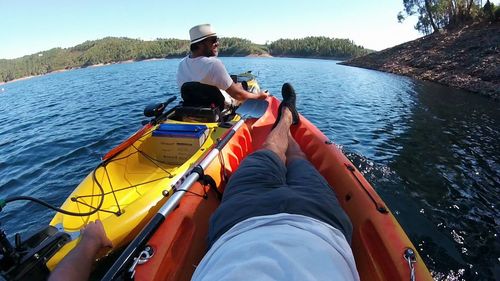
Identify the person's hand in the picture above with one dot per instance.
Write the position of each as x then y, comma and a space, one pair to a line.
263, 95
77, 264
93, 235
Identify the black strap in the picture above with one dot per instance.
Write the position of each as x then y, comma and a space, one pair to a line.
207, 180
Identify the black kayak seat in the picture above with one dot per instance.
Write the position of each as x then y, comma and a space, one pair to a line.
197, 94
200, 103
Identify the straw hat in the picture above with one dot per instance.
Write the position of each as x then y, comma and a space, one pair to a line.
200, 33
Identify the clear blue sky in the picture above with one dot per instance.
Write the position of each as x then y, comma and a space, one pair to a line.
32, 26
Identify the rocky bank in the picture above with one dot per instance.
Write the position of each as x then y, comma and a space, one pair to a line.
466, 57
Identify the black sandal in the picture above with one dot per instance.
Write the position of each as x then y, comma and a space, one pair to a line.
289, 100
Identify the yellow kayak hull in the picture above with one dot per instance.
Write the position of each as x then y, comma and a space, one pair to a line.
134, 184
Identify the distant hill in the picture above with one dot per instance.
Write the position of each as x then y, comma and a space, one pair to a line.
113, 50
466, 57
321, 47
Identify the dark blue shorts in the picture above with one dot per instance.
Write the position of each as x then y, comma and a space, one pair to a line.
263, 185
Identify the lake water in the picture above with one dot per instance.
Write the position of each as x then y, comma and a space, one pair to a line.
430, 151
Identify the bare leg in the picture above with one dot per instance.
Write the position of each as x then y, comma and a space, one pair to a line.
277, 140
293, 151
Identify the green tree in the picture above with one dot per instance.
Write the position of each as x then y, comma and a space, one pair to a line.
488, 10
434, 15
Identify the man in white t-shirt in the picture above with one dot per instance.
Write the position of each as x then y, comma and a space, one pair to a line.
203, 66
279, 219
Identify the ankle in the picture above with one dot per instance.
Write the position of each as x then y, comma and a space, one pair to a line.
287, 115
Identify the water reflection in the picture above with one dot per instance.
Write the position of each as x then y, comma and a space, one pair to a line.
449, 163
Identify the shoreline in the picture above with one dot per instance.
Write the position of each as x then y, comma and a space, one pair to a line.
385, 61
466, 58
266, 55
341, 59
80, 67
24, 78
119, 62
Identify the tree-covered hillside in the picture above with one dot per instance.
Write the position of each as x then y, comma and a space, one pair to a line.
112, 49
317, 47
106, 50
239, 47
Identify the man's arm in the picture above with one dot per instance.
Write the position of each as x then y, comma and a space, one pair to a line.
220, 78
237, 92
78, 263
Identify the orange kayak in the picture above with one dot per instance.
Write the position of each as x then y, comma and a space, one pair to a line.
381, 248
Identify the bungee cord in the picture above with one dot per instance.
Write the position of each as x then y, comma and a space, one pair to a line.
102, 193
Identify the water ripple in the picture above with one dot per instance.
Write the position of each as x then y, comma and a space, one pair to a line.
430, 151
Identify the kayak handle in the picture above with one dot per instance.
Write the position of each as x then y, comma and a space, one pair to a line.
410, 257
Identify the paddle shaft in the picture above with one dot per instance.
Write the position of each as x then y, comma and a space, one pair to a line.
140, 241
172, 203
